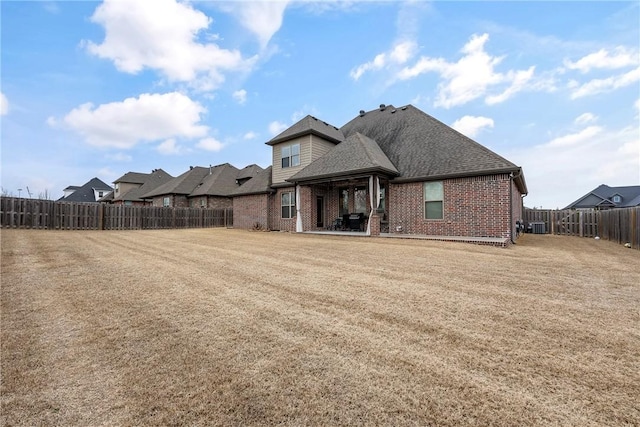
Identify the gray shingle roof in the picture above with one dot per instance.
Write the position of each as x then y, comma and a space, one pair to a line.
422, 147
150, 181
182, 184
85, 193
133, 178
603, 196
249, 172
358, 153
220, 181
309, 125
259, 184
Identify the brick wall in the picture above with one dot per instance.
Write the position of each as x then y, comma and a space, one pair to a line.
277, 222
176, 201
212, 202
251, 210
475, 206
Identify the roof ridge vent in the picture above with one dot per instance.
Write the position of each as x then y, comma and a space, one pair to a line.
361, 113
382, 107
404, 108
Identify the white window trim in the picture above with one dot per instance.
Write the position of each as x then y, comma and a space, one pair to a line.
291, 206
290, 156
425, 201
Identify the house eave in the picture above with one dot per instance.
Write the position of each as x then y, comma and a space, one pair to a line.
516, 171
340, 176
303, 133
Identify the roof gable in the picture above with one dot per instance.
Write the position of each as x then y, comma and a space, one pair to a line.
309, 125
86, 192
603, 196
151, 181
422, 147
248, 172
182, 184
220, 181
259, 184
358, 153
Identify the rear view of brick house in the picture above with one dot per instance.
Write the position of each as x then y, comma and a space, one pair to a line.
389, 170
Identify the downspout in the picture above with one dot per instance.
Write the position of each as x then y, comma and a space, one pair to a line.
511, 208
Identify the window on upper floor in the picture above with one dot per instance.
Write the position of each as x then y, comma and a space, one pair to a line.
433, 200
288, 203
290, 155
617, 199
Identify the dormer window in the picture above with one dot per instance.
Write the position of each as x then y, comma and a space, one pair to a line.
291, 156
617, 199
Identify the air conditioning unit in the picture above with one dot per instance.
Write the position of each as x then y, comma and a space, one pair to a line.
538, 227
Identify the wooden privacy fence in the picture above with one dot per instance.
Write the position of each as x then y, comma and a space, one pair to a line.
618, 225
47, 214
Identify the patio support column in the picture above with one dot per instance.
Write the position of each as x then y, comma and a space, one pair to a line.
298, 216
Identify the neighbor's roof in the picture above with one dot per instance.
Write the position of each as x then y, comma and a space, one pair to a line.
603, 196
220, 181
309, 125
259, 184
150, 181
422, 147
133, 178
249, 172
183, 184
356, 154
85, 193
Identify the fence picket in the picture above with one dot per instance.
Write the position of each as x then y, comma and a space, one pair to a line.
46, 214
618, 225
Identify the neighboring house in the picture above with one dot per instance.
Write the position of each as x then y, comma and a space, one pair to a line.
90, 192
130, 187
199, 187
391, 169
605, 197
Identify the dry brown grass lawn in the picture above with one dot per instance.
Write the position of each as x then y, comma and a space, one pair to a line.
228, 327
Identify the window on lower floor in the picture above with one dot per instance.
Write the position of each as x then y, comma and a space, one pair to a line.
383, 197
344, 201
288, 203
166, 202
433, 200
360, 199
203, 203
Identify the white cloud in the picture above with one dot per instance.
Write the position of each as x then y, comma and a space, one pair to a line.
150, 117
578, 138
472, 76
262, 18
585, 118
519, 81
276, 127
610, 84
162, 35
250, 135
4, 104
210, 144
619, 58
119, 157
576, 163
169, 147
240, 96
472, 125
399, 54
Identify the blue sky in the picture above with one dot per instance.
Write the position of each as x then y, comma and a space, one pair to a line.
98, 89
